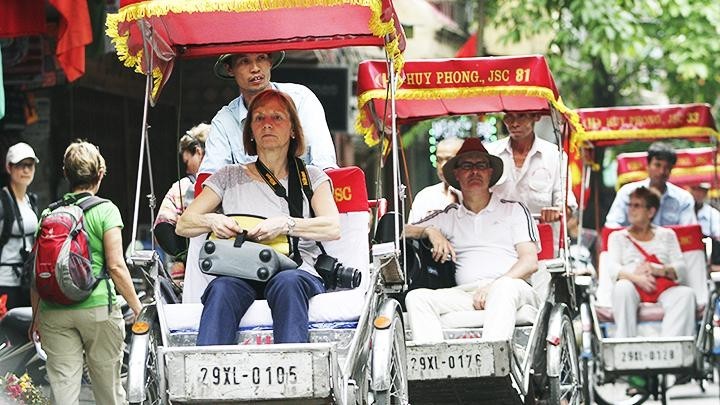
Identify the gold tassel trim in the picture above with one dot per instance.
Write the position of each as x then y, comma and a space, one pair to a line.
368, 132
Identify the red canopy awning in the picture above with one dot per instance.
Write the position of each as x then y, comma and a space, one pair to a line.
617, 125
441, 87
694, 166
184, 28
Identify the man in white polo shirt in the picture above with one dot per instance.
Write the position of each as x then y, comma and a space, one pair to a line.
493, 242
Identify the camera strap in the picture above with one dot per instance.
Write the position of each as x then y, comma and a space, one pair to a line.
298, 179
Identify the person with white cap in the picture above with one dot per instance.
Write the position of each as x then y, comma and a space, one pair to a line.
493, 242
18, 209
251, 72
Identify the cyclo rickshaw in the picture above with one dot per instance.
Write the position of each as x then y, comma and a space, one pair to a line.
540, 361
609, 363
356, 352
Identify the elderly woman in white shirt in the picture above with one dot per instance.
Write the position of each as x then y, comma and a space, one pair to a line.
642, 260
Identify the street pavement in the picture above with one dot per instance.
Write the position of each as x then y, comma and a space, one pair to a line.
689, 394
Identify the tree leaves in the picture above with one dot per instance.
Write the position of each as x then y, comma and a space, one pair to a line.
604, 52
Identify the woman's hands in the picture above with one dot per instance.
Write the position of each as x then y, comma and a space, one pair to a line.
643, 277
269, 229
224, 227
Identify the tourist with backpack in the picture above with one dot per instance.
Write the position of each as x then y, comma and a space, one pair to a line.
18, 209
78, 265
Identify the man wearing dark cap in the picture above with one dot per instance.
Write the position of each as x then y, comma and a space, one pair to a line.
493, 242
251, 73
676, 204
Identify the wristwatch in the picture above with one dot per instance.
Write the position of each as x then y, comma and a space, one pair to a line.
290, 224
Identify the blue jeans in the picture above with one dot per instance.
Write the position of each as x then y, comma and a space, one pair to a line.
227, 299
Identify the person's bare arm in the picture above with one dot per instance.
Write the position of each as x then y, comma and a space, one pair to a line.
442, 248
200, 217
116, 267
325, 225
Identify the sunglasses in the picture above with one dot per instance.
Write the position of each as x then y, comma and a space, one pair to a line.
482, 165
24, 165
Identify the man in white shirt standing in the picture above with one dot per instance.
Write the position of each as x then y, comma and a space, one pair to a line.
437, 196
251, 73
676, 204
533, 172
493, 242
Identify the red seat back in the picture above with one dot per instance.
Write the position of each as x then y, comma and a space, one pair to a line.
689, 236
349, 189
546, 242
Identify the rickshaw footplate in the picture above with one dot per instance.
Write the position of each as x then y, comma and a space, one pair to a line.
249, 373
467, 358
648, 354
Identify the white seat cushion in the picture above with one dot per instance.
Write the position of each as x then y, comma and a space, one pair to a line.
475, 319
329, 310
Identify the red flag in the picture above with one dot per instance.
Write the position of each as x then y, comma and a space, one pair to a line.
75, 32
469, 48
22, 17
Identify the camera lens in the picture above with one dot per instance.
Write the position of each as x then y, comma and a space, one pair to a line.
347, 277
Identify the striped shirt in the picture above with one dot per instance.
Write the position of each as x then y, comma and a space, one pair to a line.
485, 242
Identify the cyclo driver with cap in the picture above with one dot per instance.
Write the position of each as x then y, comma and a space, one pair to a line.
273, 133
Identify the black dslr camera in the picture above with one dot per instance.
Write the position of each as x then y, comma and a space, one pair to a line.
335, 275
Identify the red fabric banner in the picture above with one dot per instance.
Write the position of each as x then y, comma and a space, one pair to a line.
22, 17
693, 166
616, 125
201, 29
461, 73
75, 32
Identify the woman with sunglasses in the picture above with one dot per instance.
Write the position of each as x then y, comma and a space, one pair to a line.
646, 264
20, 221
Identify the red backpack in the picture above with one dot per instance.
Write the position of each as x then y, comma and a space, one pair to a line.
61, 254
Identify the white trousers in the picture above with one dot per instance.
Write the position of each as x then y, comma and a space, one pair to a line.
678, 304
425, 307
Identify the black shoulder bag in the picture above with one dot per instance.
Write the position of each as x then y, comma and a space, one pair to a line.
334, 274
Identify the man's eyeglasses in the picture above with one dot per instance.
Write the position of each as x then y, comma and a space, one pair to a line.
637, 205
482, 165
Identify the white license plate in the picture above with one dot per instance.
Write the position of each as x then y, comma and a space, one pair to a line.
452, 361
644, 356
248, 375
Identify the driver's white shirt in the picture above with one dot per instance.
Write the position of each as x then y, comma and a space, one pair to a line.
485, 242
538, 183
